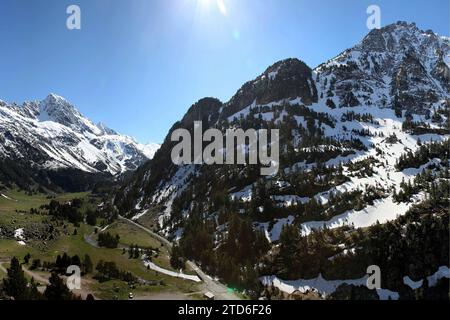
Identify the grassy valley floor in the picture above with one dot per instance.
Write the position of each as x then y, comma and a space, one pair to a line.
14, 213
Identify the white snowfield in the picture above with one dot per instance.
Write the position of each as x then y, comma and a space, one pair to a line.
383, 210
326, 287
274, 233
322, 286
156, 268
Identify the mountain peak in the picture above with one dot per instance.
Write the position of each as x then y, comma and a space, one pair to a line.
105, 129
52, 97
58, 109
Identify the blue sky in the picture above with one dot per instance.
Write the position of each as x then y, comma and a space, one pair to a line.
137, 65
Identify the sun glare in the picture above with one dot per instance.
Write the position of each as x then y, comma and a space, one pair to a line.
221, 6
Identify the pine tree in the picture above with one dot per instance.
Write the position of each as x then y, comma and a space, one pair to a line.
15, 284
176, 259
57, 289
34, 292
87, 264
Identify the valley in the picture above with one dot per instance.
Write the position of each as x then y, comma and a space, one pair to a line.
149, 283
362, 179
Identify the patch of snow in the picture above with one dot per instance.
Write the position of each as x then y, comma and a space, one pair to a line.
411, 283
383, 210
8, 198
18, 234
156, 268
443, 272
322, 286
274, 233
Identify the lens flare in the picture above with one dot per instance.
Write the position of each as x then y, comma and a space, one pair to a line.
222, 7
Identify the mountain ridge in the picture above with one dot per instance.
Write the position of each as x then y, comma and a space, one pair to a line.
52, 135
323, 93
362, 151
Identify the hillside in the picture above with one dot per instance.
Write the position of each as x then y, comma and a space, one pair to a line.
364, 157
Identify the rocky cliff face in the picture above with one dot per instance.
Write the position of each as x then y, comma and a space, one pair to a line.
290, 78
395, 66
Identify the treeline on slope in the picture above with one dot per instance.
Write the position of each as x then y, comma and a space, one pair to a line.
414, 245
233, 258
439, 117
425, 153
299, 141
433, 180
210, 190
19, 173
299, 145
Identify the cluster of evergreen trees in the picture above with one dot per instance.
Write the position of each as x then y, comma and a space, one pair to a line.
74, 211
108, 270
68, 211
420, 127
414, 245
234, 257
425, 153
363, 168
107, 240
353, 116
17, 287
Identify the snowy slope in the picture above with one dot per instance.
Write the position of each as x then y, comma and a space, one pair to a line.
53, 134
398, 66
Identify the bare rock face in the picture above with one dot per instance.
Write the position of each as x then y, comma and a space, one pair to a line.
285, 79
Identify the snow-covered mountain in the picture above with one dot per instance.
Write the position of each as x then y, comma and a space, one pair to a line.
363, 141
53, 134
398, 69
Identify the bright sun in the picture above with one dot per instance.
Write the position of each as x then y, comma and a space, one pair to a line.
220, 5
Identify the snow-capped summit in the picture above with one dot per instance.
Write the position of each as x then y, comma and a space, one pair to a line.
105, 129
53, 134
397, 66
57, 109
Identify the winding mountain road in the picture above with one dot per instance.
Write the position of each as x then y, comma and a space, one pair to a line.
219, 290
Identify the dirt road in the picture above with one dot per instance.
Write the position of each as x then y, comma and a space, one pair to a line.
219, 290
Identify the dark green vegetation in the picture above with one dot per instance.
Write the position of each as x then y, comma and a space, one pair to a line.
106, 273
438, 150
107, 240
16, 286
219, 232
19, 173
